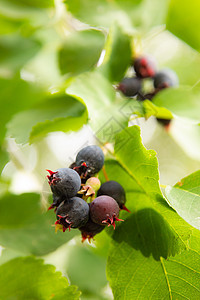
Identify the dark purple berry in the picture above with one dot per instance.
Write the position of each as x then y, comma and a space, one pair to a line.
145, 66
130, 86
91, 159
165, 78
64, 182
73, 213
104, 210
90, 229
56, 201
116, 191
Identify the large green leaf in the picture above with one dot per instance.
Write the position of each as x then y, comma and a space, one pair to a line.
15, 51
28, 278
183, 20
134, 276
117, 54
184, 197
158, 230
57, 112
81, 51
26, 229
183, 102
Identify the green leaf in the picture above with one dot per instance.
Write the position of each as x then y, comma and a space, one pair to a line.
129, 13
33, 3
153, 110
26, 229
15, 51
16, 95
182, 102
85, 267
9, 25
117, 54
183, 21
158, 230
184, 197
133, 276
57, 112
33, 280
81, 51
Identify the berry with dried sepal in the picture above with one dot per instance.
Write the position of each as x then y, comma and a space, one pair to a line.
89, 161
90, 229
104, 210
145, 66
72, 213
116, 191
64, 182
56, 202
130, 86
165, 78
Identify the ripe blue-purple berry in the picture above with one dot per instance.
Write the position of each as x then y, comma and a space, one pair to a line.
90, 229
165, 78
64, 182
89, 161
130, 86
72, 213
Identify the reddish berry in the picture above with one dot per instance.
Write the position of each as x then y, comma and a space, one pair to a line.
116, 191
104, 210
145, 66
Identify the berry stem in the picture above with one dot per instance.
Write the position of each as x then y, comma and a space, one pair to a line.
105, 173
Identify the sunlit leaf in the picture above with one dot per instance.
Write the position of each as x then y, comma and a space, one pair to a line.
183, 20
33, 280
184, 197
81, 51
117, 54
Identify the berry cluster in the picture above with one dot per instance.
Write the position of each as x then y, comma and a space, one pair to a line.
79, 199
146, 67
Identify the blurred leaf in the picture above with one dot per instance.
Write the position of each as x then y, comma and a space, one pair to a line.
183, 21
3, 159
84, 268
131, 275
16, 50
187, 135
184, 197
58, 112
182, 102
81, 51
26, 229
117, 54
129, 13
108, 113
159, 112
9, 25
16, 95
33, 3
32, 280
